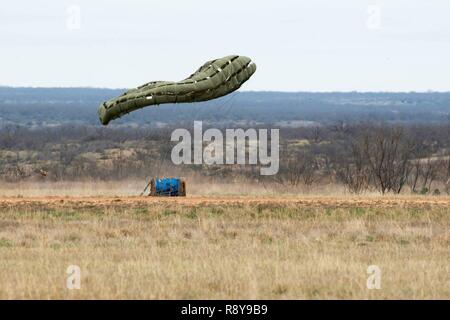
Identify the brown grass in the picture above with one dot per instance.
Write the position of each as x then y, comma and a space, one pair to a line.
196, 186
227, 247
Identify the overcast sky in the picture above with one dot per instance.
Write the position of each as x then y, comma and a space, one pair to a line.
345, 45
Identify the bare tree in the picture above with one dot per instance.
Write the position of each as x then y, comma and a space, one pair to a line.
354, 173
388, 153
300, 167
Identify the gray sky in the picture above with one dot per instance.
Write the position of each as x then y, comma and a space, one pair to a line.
345, 45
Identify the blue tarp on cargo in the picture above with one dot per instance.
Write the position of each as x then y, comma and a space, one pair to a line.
168, 186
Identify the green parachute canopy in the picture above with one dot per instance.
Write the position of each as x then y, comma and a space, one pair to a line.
214, 79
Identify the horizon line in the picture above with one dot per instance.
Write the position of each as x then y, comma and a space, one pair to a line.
240, 91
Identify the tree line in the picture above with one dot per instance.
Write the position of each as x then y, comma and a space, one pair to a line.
361, 157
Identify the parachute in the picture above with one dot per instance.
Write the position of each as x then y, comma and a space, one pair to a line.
214, 79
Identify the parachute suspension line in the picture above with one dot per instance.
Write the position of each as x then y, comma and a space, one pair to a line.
216, 105
221, 103
161, 161
230, 103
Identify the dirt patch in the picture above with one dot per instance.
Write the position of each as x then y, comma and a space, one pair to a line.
309, 201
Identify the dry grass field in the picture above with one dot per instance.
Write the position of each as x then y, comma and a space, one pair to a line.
210, 247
